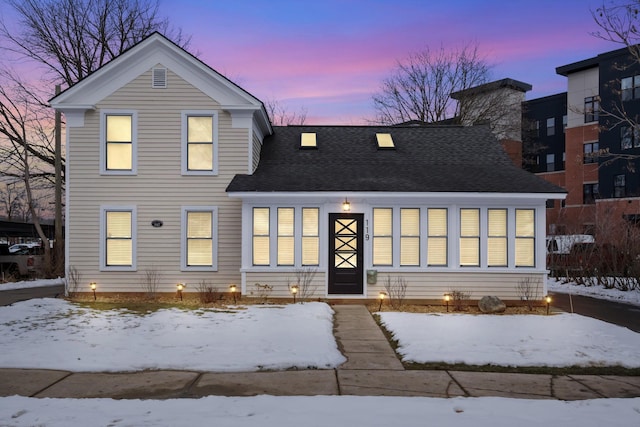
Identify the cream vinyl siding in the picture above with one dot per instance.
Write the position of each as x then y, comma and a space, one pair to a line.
157, 191
256, 147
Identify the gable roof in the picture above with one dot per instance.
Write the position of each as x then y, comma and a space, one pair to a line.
425, 159
153, 50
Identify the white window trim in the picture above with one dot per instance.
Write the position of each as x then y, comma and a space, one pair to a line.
103, 142
214, 236
103, 237
185, 160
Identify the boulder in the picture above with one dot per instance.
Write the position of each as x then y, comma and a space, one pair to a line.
491, 304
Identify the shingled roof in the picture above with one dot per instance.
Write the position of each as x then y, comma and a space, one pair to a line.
425, 159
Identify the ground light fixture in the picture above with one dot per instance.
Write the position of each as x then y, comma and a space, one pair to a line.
294, 291
93, 287
346, 206
547, 299
447, 298
180, 287
381, 297
233, 290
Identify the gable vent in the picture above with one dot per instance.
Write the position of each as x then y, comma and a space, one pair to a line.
159, 78
308, 140
385, 141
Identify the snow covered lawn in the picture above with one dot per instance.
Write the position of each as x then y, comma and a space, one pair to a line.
335, 411
56, 334
512, 340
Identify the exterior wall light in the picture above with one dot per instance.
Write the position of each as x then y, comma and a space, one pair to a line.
93, 287
294, 291
346, 206
180, 287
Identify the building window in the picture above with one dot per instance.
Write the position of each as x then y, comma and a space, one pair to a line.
497, 237
564, 123
310, 236
551, 159
629, 138
261, 236
591, 152
199, 238
382, 236
551, 126
199, 143
589, 193
620, 186
410, 237
286, 246
118, 238
437, 237
591, 109
550, 204
525, 238
118, 138
469, 237
630, 88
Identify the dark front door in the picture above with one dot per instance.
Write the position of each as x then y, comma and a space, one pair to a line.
345, 254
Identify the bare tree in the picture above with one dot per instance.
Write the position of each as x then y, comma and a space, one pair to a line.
73, 38
420, 87
281, 116
12, 199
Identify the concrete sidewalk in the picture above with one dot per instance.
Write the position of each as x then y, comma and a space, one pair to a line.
372, 369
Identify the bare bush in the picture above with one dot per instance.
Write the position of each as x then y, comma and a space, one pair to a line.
150, 282
528, 290
304, 280
459, 298
263, 291
74, 278
396, 290
207, 293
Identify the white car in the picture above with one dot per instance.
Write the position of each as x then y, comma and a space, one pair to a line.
20, 246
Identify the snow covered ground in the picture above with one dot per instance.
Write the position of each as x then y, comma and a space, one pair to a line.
50, 333
629, 297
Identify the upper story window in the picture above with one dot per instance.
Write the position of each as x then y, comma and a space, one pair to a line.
630, 87
564, 123
591, 109
118, 138
551, 126
118, 238
199, 243
590, 193
199, 143
629, 138
551, 160
620, 186
591, 152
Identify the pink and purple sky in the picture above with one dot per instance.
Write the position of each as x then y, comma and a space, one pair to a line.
330, 56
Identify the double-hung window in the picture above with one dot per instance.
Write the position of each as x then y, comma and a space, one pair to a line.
199, 238
470, 237
591, 109
260, 239
118, 238
286, 240
409, 237
118, 136
437, 236
310, 236
497, 237
383, 236
199, 143
525, 238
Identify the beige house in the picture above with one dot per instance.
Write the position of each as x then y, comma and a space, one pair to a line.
173, 169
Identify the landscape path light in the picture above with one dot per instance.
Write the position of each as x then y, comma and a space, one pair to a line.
381, 297
447, 298
233, 289
547, 299
180, 287
294, 291
93, 287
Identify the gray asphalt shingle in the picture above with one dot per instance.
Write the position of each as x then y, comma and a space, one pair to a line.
426, 159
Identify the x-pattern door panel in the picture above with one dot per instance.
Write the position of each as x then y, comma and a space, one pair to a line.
345, 251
